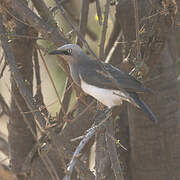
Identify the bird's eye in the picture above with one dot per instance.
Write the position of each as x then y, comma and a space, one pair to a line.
68, 52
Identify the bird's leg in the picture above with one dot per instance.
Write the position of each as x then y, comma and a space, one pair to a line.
81, 98
100, 106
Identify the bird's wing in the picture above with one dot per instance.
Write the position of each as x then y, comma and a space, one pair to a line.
106, 76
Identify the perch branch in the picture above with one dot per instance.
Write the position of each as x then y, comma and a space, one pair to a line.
84, 141
59, 145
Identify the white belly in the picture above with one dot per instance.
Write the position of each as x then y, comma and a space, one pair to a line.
107, 97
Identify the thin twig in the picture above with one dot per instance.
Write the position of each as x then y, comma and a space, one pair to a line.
138, 55
104, 30
4, 146
26, 94
83, 20
24, 36
75, 19
31, 154
84, 111
16, 18
44, 11
52, 170
2, 57
138, 52
49, 32
3, 68
99, 14
81, 145
66, 97
116, 141
5, 108
113, 157
74, 28
113, 49
39, 96
52, 82
63, 151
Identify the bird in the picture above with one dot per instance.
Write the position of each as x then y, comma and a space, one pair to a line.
106, 83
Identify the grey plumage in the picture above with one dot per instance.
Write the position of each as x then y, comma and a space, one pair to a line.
104, 82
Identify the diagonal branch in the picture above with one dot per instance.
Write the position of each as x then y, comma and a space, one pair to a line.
52, 82
39, 96
84, 141
49, 32
9, 57
44, 11
74, 28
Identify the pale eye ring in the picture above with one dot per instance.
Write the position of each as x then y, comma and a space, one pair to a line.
69, 51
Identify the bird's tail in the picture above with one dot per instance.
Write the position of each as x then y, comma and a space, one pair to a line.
144, 107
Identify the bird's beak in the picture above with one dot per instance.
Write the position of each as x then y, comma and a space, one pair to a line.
56, 52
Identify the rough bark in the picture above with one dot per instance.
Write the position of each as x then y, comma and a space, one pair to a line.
154, 148
20, 138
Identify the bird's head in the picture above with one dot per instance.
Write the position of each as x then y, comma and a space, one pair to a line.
70, 52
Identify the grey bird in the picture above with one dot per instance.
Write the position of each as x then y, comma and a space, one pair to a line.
107, 84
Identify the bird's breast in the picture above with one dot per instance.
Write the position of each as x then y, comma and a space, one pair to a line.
108, 97
75, 74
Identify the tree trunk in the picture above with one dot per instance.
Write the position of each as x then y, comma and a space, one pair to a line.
21, 140
154, 148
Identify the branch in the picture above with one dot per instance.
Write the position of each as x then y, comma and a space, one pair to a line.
44, 12
52, 82
138, 53
104, 30
5, 108
49, 32
26, 167
2, 71
39, 96
74, 28
65, 152
18, 78
75, 19
83, 20
66, 97
139, 61
98, 10
113, 156
85, 140
4, 148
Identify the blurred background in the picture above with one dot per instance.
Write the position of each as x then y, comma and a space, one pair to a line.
59, 77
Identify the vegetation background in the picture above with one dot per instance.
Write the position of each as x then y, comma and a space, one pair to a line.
44, 110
